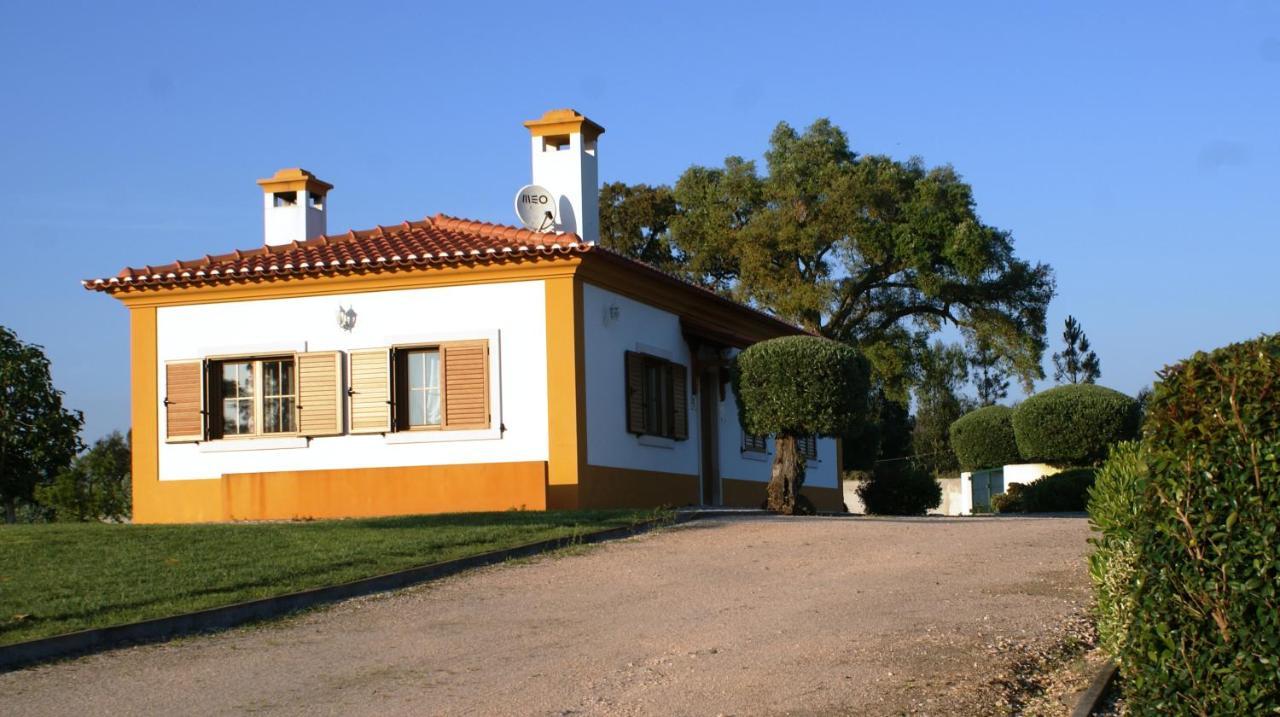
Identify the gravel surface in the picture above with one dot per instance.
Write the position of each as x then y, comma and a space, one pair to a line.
725, 616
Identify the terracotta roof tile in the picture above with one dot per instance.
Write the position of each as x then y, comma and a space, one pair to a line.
438, 240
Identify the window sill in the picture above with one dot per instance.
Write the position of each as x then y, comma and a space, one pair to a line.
409, 437
656, 441
252, 444
755, 456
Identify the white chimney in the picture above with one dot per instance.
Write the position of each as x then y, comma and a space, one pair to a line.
564, 163
293, 206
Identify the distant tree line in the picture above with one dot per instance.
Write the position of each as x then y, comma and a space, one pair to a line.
43, 473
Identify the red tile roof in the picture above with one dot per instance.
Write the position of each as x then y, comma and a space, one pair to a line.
438, 240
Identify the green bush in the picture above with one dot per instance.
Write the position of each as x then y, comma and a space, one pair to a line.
1113, 512
984, 438
1195, 516
1010, 501
1073, 425
900, 488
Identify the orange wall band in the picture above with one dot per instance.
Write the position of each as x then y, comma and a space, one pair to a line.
751, 494
350, 493
607, 487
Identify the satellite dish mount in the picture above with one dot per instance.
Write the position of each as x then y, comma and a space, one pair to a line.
535, 207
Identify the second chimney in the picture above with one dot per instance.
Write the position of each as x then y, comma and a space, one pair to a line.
564, 163
294, 204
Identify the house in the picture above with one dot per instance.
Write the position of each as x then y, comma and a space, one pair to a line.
439, 365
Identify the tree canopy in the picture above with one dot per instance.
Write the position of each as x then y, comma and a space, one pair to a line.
863, 249
38, 437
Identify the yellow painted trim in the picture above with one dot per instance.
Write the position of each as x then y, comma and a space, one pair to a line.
321, 285
148, 502
739, 493
608, 487
566, 392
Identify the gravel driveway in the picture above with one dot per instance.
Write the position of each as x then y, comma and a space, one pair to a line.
751, 615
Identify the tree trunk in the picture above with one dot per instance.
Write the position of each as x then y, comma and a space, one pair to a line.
11, 511
787, 477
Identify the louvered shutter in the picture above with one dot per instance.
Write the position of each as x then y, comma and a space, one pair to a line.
370, 391
320, 393
679, 402
184, 401
466, 384
635, 392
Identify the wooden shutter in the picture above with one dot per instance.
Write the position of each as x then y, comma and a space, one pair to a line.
635, 392
679, 402
370, 391
184, 401
320, 393
466, 384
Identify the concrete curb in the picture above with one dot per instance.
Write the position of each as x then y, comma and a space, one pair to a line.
1092, 696
163, 628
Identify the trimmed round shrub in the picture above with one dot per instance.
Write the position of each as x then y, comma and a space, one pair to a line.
1073, 425
801, 385
1194, 516
984, 438
1065, 492
900, 488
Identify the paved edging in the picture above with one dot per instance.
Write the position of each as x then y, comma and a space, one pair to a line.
1092, 697
163, 628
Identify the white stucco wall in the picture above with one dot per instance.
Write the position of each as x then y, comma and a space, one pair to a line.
641, 327
1025, 473
511, 315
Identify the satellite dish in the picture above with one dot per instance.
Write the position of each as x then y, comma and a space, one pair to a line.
536, 208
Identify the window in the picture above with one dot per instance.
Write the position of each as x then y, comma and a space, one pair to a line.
255, 396
754, 444
808, 446
441, 386
284, 199
656, 397
422, 382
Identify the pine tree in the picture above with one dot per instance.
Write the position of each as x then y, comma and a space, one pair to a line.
1077, 363
989, 375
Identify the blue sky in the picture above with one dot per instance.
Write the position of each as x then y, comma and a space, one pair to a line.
1132, 146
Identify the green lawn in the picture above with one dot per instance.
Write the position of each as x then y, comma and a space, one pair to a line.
61, 578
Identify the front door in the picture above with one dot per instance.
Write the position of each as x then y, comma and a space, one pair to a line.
709, 434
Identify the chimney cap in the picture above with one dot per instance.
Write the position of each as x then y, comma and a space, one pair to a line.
564, 121
294, 179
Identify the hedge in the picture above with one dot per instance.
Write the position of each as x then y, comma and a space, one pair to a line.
900, 488
1193, 513
1073, 425
1065, 492
984, 438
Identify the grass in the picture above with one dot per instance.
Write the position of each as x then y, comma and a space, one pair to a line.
59, 578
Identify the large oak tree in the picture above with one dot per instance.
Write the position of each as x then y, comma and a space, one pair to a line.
864, 249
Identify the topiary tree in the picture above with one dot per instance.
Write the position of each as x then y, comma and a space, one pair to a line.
984, 438
798, 386
1074, 424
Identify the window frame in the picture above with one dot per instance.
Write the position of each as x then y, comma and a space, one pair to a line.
400, 387
214, 400
664, 411
807, 446
749, 443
